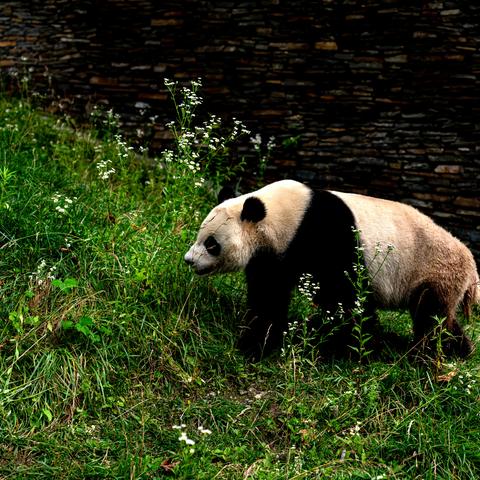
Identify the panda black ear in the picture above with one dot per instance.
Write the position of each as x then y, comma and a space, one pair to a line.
253, 210
226, 192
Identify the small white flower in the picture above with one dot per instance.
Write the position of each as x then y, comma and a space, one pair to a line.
256, 141
104, 169
271, 143
178, 427
204, 431
91, 429
183, 438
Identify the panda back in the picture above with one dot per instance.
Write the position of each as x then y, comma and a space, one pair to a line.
402, 247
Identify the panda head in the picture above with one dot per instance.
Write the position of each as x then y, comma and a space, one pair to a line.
234, 230
228, 236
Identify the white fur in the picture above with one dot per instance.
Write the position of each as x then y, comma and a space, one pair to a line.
285, 201
422, 251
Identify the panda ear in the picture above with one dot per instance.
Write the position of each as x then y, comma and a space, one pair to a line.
226, 192
253, 210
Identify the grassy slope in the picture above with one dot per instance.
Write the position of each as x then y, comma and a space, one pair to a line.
107, 341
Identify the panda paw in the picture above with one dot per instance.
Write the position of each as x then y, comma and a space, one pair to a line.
460, 346
251, 348
451, 346
255, 347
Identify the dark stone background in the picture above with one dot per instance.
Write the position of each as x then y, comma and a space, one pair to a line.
381, 97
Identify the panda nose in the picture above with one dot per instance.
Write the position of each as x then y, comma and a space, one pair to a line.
188, 258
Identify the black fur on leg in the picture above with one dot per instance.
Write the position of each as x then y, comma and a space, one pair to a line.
424, 307
259, 339
454, 340
427, 307
269, 289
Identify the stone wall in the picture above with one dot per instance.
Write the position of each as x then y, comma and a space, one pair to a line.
375, 96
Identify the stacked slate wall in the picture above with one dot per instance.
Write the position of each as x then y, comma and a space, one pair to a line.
374, 96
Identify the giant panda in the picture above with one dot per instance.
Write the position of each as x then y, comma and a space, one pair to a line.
287, 229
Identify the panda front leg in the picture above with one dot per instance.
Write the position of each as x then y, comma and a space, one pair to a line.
269, 292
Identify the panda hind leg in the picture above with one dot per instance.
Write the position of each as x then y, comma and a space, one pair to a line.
427, 307
456, 343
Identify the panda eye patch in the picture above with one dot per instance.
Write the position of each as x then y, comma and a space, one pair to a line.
212, 246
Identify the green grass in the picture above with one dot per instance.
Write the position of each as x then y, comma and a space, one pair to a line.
107, 341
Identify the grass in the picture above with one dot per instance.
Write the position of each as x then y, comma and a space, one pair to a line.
115, 358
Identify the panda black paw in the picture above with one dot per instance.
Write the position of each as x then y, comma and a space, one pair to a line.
428, 349
460, 346
251, 348
255, 347
252, 355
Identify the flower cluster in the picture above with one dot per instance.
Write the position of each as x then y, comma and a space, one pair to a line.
105, 170
379, 248
271, 144
307, 286
189, 98
197, 146
184, 437
62, 203
355, 430
109, 120
239, 128
204, 431
205, 132
256, 141
264, 156
43, 273
10, 127
359, 309
467, 381
123, 150
292, 327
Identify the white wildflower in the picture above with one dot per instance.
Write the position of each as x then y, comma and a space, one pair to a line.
307, 286
256, 141
184, 438
62, 203
105, 171
179, 427
271, 143
204, 431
